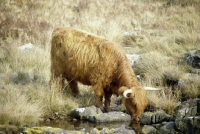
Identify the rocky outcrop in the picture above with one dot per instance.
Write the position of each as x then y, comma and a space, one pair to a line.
186, 120
193, 59
50, 130
148, 118
95, 115
188, 117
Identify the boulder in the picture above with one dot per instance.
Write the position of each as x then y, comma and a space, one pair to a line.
168, 128
50, 130
193, 59
110, 117
148, 129
132, 58
148, 118
94, 114
120, 130
86, 112
187, 117
188, 124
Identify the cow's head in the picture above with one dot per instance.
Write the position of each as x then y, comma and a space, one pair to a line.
135, 100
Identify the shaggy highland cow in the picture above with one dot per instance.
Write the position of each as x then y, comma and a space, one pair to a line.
79, 56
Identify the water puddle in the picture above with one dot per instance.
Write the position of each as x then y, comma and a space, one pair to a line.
88, 126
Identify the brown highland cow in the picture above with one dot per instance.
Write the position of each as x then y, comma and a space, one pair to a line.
79, 56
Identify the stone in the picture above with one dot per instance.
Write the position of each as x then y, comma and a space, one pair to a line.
132, 58
187, 108
20, 78
148, 129
110, 117
48, 130
187, 119
121, 130
161, 116
94, 114
196, 122
85, 113
185, 125
148, 118
193, 59
168, 128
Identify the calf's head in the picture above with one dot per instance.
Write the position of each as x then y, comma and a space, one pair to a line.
135, 100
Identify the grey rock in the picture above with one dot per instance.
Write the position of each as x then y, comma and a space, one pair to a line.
20, 78
196, 71
161, 116
196, 122
156, 117
148, 129
120, 130
185, 125
48, 130
132, 58
193, 59
188, 124
187, 119
110, 117
146, 118
94, 114
168, 128
187, 108
94, 131
85, 113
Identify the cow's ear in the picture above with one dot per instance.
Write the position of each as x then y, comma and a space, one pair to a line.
121, 90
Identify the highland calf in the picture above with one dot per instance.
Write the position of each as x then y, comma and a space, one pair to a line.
79, 56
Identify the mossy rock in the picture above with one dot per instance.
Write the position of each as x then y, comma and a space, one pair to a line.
47, 130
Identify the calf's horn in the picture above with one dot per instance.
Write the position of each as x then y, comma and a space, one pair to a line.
127, 92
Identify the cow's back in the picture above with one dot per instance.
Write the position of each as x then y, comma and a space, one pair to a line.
75, 54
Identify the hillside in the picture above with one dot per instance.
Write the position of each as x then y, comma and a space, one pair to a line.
161, 32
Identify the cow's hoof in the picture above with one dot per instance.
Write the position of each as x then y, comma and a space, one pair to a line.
106, 110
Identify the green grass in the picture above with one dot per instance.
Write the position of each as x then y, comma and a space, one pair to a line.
162, 33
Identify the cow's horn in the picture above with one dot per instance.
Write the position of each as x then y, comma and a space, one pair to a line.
127, 92
153, 89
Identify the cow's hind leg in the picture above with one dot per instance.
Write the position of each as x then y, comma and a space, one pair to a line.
107, 101
74, 88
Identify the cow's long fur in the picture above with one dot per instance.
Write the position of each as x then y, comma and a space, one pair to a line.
92, 60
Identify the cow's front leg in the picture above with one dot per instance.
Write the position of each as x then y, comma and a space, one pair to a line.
107, 101
74, 88
98, 90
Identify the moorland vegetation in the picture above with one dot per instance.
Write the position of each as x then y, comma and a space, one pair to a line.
161, 32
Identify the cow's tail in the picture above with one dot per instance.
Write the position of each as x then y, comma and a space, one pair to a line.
154, 89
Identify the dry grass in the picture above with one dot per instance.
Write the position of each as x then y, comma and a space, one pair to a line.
17, 109
190, 87
161, 31
165, 100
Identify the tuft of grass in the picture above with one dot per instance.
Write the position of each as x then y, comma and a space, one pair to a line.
190, 87
86, 99
17, 109
166, 100
150, 67
173, 73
